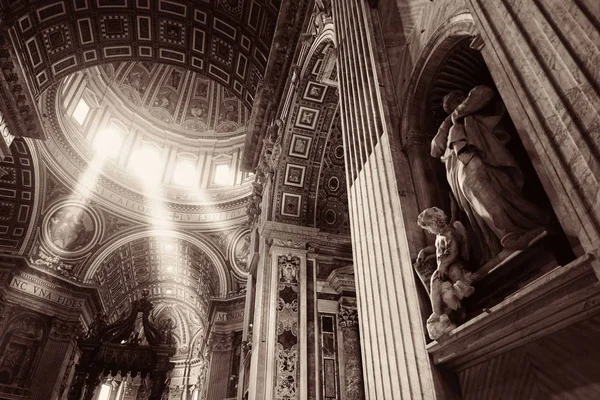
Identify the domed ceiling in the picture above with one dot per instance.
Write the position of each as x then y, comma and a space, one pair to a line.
180, 101
114, 126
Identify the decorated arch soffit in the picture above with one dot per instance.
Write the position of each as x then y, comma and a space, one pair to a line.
19, 197
227, 41
310, 182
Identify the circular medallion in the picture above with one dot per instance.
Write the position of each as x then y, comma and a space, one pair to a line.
71, 229
239, 249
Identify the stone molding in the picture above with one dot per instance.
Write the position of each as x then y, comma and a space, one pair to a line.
342, 279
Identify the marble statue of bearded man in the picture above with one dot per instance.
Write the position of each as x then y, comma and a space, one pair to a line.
484, 177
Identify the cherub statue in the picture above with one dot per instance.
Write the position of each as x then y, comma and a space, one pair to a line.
451, 282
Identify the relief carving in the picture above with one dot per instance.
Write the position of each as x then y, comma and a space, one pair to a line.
221, 341
348, 316
287, 360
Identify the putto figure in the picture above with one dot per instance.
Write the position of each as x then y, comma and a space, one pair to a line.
484, 177
451, 282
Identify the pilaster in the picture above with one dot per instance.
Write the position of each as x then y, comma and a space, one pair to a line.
221, 346
353, 372
391, 328
279, 352
55, 359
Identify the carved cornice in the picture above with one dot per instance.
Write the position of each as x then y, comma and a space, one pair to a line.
287, 232
342, 279
16, 101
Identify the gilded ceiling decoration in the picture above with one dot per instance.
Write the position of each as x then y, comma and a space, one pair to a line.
69, 152
225, 40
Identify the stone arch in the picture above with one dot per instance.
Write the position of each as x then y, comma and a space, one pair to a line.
228, 43
20, 203
446, 36
92, 265
307, 124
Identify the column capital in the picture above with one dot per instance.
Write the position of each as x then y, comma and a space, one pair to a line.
348, 316
221, 341
65, 330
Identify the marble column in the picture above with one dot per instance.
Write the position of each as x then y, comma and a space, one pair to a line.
348, 321
55, 359
220, 363
396, 364
543, 56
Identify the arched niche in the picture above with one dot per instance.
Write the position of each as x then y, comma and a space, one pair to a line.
452, 60
20, 350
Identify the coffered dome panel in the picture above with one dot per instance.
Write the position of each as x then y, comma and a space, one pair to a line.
172, 269
225, 40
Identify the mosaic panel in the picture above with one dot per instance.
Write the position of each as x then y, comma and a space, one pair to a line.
291, 205
315, 92
294, 175
300, 146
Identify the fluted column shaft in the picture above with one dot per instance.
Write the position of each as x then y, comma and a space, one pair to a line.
396, 364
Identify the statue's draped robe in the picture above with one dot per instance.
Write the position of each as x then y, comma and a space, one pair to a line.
484, 177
